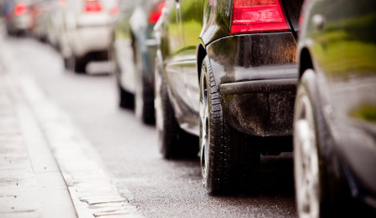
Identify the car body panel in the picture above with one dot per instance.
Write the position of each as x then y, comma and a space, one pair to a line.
233, 59
292, 8
179, 60
341, 41
263, 57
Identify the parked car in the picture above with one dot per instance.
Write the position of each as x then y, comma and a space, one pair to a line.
335, 109
226, 71
134, 48
18, 16
55, 27
86, 31
41, 12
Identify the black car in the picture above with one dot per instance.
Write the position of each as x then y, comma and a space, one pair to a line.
335, 110
226, 71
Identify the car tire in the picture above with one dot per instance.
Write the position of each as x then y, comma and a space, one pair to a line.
318, 193
230, 162
126, 99
144, 93
69, 63
80, 65
173, 141
144, 104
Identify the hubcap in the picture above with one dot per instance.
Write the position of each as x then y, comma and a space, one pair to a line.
306, 160
204, 128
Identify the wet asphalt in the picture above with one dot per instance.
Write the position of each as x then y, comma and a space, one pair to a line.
157, 187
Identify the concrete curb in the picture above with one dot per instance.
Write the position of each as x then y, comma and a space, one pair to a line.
90, 189
31, 184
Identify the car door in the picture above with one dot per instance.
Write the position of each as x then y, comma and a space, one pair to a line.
345, 52
122, 45
174, 61
350, 72
192, 25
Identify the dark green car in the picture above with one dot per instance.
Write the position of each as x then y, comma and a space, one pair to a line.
335, 110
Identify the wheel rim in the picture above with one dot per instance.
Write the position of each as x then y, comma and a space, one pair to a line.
306, 160
204, 129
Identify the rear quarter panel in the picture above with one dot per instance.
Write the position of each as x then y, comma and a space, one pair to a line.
343, 53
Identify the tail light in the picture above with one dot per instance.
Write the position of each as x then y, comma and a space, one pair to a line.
20, 9
114, 10
93, 6
154, 15
257, 16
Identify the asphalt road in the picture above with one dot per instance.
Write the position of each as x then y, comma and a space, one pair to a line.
157, 187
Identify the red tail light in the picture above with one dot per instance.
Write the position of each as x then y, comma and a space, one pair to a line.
257, 16
20, 9
92, 6
154, 15
114, 10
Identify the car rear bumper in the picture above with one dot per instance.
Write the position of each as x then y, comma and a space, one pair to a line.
261, 107
22, 23
256, 75
91, 39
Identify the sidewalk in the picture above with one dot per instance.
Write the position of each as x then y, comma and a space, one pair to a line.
31, 184
47, 167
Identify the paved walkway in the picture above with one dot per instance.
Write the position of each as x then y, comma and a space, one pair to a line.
31, 184
47, 167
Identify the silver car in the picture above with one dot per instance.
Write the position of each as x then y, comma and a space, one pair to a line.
18, 16
87, 31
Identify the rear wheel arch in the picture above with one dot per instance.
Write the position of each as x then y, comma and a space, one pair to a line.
201, 54
305, 62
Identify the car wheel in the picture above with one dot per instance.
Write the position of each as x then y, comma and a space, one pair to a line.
69, 63
229, 160
80, 65
144, 101
173, 141
310, 138
144, 95
126, 99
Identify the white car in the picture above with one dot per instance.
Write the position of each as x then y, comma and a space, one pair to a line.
87, 31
